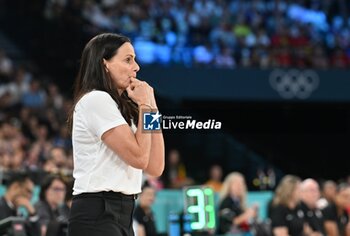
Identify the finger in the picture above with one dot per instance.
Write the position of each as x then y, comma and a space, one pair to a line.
145, 85
132, 86
129, 90
134, 79
135, 83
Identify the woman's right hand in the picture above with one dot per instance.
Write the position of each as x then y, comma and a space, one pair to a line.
140, 92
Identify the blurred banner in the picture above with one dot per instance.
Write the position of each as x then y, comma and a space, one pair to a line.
249, 84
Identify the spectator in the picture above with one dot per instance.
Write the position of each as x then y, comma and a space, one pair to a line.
49, 167
33, 157
11, 147
143, 214
5, 161
234, 215
54, 98
17, 160
215, 178
19, 193
339, 59
55, 124
286, 217
241, 29
49, 207
58, 156
336, 218
63, 138
310, 194
11, 92
175, 175
319, 60
29, 123
35, 97
225, 59
329, 191
56, 161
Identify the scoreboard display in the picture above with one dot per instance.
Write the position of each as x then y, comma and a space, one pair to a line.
200, 206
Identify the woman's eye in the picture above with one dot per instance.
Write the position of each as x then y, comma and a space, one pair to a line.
128, 60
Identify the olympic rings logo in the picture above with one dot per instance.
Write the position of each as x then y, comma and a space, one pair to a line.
294, 83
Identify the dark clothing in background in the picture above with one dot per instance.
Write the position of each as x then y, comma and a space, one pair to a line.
45, 213
330, 214
6, 210
229, 209
314, 218
145, 219
32, 226
293, 219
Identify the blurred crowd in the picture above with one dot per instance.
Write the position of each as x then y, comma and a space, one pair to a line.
298, 207
33, 132
221, 33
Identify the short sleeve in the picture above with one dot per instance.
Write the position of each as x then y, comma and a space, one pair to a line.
278, 216
101, 112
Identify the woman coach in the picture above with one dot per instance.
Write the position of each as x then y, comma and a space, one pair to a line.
110, 149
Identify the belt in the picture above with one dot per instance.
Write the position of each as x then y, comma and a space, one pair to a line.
110, 194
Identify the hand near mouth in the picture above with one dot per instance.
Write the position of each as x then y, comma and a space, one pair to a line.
140, 92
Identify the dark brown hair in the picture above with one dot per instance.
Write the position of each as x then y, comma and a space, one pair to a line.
92, 75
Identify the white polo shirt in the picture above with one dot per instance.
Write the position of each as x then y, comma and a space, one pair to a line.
96, 167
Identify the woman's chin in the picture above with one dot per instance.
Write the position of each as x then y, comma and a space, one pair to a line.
120, 90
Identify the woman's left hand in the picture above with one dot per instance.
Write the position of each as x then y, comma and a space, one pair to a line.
136, 82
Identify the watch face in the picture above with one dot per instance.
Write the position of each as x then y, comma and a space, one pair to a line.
200, 207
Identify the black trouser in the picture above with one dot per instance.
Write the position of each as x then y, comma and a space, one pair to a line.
101, 214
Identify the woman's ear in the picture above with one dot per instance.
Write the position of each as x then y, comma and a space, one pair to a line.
105, 63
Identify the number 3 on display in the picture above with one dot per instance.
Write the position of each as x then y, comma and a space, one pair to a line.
199, 204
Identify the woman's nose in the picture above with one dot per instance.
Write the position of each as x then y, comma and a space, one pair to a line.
137, 67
